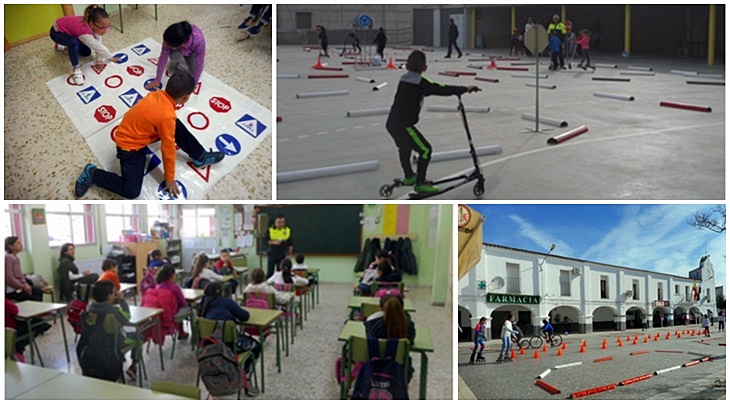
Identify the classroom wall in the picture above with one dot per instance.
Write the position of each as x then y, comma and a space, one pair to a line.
24, 21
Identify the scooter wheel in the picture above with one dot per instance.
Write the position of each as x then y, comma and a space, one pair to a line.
386, 191
479, 189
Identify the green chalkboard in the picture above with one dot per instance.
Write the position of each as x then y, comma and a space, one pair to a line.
319, 229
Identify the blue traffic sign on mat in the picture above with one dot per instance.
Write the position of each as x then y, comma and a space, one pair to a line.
251, 125
123, 58
166, 195
140, 49
88, 94
228, 144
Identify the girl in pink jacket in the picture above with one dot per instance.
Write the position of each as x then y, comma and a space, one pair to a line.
583, 40
79, 35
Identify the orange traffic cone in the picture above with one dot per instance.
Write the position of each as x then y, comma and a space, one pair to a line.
584, 344
319, 63
679, 336
512, 354
560, 352
693, 333
628, 338
667, 335
564, 347
620, 343
646, 340
391, 65
633, 343
582, 349
491, 65
536, 355
656, 338
544, 348
522, 350
657, 335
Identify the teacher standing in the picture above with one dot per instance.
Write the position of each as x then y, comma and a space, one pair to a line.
280, 244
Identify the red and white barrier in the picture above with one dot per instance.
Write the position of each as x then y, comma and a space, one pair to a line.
567, 135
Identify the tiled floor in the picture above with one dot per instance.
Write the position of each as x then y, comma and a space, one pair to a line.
308, 372
44, 153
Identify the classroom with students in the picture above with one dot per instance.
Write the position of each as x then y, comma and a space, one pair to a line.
228, 301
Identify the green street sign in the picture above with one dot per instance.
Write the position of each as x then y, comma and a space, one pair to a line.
515, 299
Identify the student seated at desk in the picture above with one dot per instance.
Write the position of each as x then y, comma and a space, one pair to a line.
224, 266
284, 275
21, 329
299, 259
111, 273
155, 260
69, 274
372, 273
391, 322
107, 301
16, 286
165, 279
258, 285
201, 268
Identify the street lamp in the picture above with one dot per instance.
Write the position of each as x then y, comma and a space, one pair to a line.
546, 255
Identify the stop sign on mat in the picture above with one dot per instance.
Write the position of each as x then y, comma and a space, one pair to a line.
105, 113
220, 104
135, 70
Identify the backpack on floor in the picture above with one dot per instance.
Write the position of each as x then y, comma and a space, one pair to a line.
97, 354
381, 378
218, 365
76, 308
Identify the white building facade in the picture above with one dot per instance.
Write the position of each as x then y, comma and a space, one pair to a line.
578, 296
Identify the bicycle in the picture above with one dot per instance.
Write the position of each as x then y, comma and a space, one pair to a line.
537, 341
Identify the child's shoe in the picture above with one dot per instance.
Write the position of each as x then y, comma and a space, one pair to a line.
78, 76
246, 23
500, 359
425, 189
208, 158
409, 180
61, 48
256, 29
83, 183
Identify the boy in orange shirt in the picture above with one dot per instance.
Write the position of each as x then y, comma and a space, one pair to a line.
111, 273
152, 119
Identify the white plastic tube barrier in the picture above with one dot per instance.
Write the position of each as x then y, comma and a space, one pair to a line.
543, 374
366, 80
323, 94
287, 76
606, 65
568, 365
464, 153
658, 372
547, 86
711, 76
327, 171
528, 75
644, 68
369, 112
637, 73
380, 86
614, 96
473, 66
446, 60
546, 120
454, 108
582, 71
684, 72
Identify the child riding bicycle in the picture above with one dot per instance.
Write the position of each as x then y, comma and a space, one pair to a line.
547, 331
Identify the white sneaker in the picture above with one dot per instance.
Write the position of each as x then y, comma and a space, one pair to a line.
78, 77
61, 48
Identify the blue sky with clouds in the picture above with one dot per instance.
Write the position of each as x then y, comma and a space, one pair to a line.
651, 237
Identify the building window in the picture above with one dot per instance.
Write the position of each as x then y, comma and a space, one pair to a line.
686, 293
304, 20
707, 293
513, 278
604, 287
14, 226
70, 224
120, 217
197, 221
564, 283
635, 288
659, 291
676, 289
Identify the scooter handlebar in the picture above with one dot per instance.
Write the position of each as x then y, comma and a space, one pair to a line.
475, 90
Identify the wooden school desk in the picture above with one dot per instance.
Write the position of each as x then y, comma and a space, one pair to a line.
422, 344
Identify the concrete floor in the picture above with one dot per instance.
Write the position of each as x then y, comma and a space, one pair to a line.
633, 150
516, 380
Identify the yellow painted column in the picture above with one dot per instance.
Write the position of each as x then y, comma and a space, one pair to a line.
513, 19
711, 36
563, 13
474, 28
627, 28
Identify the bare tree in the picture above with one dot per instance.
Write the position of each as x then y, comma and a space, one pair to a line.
713, 220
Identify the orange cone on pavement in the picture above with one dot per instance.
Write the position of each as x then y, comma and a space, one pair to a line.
512, 354
522, 350
628, 338
679, 336
536, 355
560, 352
667, 335
391, 65
582, 349
618, 340
657, 335
584, 343
564, 347
620, 343
646, 340
319, 63
492, 65
544, 348
633, 343
656, 338
693, 333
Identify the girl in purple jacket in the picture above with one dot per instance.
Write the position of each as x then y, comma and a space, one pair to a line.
184, 47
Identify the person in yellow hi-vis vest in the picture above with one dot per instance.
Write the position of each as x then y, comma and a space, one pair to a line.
280, 244
562, 31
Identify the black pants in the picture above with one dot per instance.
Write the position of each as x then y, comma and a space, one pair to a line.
35, 294
380, 50
453, 43
273, 262
409, 139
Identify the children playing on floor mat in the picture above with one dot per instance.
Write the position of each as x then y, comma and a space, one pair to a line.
183, 44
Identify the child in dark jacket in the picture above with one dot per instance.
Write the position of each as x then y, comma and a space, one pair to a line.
391, 322
412, 88
556, 56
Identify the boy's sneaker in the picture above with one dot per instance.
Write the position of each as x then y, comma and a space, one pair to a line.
409, 180
85, 180
78, 77
425, 189
256, 30
245, 24
208, 158
61, 48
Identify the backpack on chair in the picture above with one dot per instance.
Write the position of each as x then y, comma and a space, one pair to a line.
381, 378
97, 354
218, 365
76, 308
148, 280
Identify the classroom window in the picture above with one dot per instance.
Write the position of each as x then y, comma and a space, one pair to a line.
635, 288
660, 291
564, 283
513, 278
70, 224
14, 226
118, 218
604, 287
198, 221
304, 20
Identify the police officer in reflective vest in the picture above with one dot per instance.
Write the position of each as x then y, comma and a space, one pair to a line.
562, 31
280, 244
